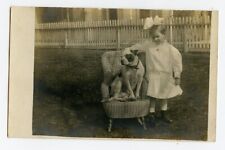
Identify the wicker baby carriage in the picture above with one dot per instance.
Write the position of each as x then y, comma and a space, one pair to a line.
128, 109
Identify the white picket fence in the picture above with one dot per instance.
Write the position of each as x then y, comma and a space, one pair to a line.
185, 33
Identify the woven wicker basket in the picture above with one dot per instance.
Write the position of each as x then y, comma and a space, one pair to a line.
128, 109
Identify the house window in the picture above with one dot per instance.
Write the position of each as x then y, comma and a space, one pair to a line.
113, 14
144, 13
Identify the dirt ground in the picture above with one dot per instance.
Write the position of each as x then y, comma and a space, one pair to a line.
58, 111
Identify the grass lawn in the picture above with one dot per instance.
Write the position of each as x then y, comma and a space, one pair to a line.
67, 95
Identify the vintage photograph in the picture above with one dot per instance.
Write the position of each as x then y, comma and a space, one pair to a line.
121, 73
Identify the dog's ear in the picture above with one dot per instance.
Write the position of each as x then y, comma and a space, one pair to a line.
135, 52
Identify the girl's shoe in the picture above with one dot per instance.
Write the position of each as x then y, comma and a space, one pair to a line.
164, 117
151, 120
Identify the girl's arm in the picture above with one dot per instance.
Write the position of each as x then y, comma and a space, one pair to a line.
141, 46
177, 63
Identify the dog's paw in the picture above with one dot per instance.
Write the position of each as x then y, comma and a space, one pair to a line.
105, 100
137, 97
102, 101
111, 99
132, 97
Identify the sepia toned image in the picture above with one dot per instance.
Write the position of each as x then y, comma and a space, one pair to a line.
79, 85
122, 73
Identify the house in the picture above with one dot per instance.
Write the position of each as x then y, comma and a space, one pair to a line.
47, 14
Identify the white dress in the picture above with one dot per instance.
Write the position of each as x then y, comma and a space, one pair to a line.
163, 65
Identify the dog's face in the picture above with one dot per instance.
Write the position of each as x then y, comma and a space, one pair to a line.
128, 56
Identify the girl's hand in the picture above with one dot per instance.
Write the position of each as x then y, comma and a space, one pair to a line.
146, 77
177, 81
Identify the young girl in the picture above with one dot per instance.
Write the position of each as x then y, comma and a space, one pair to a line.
163, 69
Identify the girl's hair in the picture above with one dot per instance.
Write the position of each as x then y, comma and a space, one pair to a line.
161, 28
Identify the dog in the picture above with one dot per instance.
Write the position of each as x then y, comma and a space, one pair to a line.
125, 64
116, 92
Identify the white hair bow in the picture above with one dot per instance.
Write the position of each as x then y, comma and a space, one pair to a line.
149, 22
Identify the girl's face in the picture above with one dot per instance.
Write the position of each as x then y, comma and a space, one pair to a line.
157, 36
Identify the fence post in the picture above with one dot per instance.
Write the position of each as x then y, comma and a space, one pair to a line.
171, 27
185, 29
185, 40
66, 40
118, 36
205, 30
